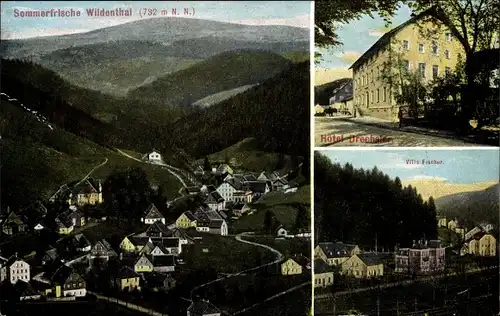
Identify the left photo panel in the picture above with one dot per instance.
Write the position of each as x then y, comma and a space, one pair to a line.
155, 158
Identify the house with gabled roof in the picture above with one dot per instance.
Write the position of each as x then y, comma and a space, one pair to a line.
323, 274
198, 170
14, 224
152, 215
202, 308
15, 269
334, 253
143, 264
186, 220
163, 264
134, 243
225, 168
483, 244
258, 188
87, 192
102, 250
232, 190
64, 224
160, 281
192, 190
156, 230
67, 282
207, 188
127, 278
153, 157
364, 265
81, 243
280, 184
215, 201
24, 291
218, 227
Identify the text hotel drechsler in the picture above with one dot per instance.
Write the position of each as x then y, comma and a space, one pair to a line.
355, 139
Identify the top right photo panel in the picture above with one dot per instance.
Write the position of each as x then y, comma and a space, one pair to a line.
406, 73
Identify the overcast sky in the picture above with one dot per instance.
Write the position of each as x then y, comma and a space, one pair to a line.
292, 13
459, 166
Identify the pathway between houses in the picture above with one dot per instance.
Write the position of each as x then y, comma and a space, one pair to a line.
279, 257
128, 305
169, 168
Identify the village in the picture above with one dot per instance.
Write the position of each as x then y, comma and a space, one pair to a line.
68, 248
339, 265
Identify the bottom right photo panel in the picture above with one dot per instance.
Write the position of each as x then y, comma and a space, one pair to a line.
406, 231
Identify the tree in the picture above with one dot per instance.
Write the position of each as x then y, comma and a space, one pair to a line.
268, 221
302, 218
328, 15
206, 164
474, 23
280, 164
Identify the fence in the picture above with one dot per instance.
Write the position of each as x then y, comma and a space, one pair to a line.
129, 305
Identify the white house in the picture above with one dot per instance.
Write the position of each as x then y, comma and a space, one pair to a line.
218, 227
281, 232
155, 157
152, 215
15, 269
231, 191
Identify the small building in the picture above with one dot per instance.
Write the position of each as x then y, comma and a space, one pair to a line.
156, 230
15, 269
186, 220
154, 157
24, 291
281, 231
13, 224
365, 265
67, 282
134, 243
468, 236
323, 274
163, 263
335, 253
152, 215
199, 171
483, 244
218, 227
102, 250
81, 243
127, 279
215, 201
452, 224
280, 184
87, 192
422, 258
441, 221
202, 308
258, 188
160, 281
291, 267
143, 264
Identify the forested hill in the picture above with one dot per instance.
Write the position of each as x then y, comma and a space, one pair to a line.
357, 206
275, 113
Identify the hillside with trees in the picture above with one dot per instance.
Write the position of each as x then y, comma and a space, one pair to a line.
359, 206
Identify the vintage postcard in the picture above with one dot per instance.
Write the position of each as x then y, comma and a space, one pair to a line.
406, 74
155, 158
406, 232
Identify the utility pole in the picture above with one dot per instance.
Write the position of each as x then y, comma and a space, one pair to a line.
378, 306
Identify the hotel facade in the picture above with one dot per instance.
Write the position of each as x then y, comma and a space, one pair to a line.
416, 46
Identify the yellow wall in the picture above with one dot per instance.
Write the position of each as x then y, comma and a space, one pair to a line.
90, 198
58, 291
65, 231
319, 109
486, 246
127, 245
143, 268
318, 253
131, 283
184, 222
357, 268
368, 84
291, 267
323, 279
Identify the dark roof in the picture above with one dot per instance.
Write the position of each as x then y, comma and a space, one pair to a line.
157, 227
152, 212
214, 197
139, 241
321, 267
190, 215
163, 261
235, 183
302, 260
13, 259
193, 189
86, 187
81, 241
14, 219
337, 249
370, 259
215, 224
24, 288
210, 188
62, 274
256, 186
479, 235
181, 234
385, 39
127, 272
170, 242
202, 308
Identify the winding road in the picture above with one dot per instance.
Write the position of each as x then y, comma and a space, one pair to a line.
169, 168
279, 257
93, 169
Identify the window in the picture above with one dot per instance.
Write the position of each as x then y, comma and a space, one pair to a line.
448, 36
435, 49
385, 94
421, 48
421, 69
372, 96
378, 95
447, 54
447, 70
371, 72
435, 71
406, 65
406, 45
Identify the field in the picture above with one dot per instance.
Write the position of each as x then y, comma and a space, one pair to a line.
224, 254
274, 198
288, 247
255, 222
